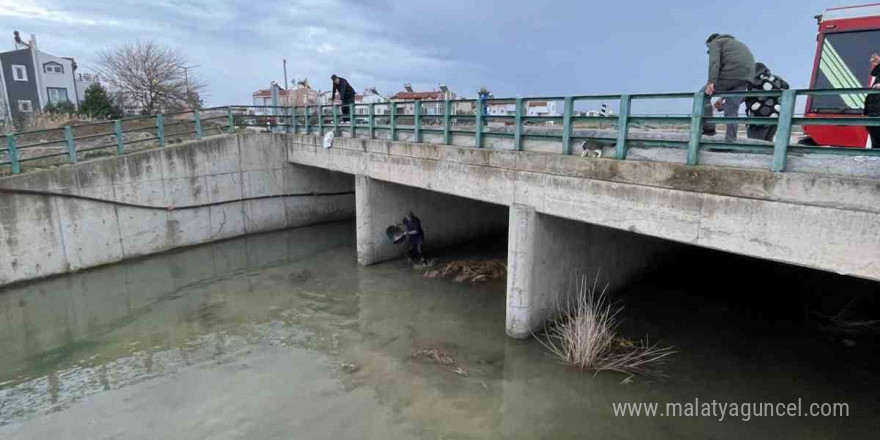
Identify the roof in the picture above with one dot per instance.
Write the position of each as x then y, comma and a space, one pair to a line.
538, 103
872, 10
268, 92
417, 95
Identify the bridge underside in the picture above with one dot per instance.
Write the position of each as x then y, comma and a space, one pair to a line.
569, 214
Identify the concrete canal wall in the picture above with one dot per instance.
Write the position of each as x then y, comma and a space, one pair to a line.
242, 183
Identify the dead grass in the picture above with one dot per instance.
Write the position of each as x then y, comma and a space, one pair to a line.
470, 271
584, 335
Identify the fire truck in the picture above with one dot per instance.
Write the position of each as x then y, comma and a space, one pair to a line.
847, 38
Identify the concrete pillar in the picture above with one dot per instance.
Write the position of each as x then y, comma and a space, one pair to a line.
547, 255
521, 320
446, 219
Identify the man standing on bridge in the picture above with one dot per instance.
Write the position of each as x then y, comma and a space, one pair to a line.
731, 67
346, 94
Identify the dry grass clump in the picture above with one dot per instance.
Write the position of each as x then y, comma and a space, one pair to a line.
585, 335
471, 271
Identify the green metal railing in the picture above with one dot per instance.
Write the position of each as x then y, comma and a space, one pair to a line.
446, 118
75, 142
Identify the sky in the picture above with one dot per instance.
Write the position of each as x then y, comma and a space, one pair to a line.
512, 47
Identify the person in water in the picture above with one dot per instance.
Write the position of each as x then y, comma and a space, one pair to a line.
416, 238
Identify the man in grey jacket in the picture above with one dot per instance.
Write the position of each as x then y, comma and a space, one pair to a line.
731, 67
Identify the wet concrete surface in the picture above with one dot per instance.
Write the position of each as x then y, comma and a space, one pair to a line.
283, 335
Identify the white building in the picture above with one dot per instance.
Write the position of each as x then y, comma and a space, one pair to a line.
541, 108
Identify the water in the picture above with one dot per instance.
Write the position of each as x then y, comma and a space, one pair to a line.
283, 335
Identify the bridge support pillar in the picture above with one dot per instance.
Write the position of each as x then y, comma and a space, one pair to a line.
547, 254
446, 219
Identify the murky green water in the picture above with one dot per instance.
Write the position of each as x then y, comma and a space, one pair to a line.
284, 336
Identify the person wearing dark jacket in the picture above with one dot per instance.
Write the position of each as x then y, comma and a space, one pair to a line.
872, 102
416, 237
764, 107
346, 94
731, 67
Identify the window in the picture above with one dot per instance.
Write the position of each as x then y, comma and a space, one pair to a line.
25, 106
843, 63
57, 94
53, 67
19, 73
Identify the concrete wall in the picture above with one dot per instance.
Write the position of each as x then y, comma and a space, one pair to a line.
547, 255
445, 219
48, 235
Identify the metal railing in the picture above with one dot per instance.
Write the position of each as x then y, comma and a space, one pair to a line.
445, 118
70, 144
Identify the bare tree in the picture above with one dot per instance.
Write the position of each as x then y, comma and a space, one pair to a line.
151, 77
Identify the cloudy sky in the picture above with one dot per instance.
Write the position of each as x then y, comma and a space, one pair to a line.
513, 47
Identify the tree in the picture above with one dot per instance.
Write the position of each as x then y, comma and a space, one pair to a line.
97, 104
151, 77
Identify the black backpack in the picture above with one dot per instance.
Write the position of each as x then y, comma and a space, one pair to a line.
768, 106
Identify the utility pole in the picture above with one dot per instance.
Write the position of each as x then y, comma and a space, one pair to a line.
286, 84
186, 81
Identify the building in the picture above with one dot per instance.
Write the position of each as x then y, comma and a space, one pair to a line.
371, 96
33, 78
83, 81
533, 108
541, 108
431, 108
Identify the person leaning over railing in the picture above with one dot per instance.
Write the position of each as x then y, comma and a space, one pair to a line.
731, 68
346, 94
872, 102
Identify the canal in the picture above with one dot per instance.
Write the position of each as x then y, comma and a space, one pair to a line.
283, 335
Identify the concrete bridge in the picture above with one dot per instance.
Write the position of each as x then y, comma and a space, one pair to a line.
564, 214
569, 213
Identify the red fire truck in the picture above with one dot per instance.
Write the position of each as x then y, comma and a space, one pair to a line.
847, 38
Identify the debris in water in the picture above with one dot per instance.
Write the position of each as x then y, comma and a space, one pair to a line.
460, 371
298, 277
434, 355
471, 271
349, 368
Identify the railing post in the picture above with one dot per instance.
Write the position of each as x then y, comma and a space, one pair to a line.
71, 148
351, 120
478, 125
321, 120
622, 127
335, 121
783, 134
393, 121
306, 114
417, 120
447, 119
13, 153
120, 142
197, 119
517, 124
293, 119
566, 125
372, 120
160, 129
229, 120
696, 132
